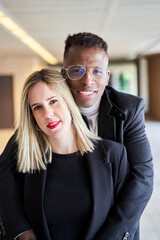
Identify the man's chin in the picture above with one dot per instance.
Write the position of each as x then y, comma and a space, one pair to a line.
85, 103
84, 100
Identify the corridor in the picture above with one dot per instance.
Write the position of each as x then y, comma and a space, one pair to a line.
150, 221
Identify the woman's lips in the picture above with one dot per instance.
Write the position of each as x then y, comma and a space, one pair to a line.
53, 125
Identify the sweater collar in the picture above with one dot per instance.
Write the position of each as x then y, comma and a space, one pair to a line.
90, 110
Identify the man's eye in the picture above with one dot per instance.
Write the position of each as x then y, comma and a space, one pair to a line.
76, 70
98, 70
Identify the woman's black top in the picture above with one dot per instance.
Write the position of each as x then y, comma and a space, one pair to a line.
67, 201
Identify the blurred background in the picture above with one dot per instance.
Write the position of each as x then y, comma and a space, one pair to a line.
32, 35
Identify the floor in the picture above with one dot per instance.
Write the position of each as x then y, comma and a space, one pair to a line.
150, 220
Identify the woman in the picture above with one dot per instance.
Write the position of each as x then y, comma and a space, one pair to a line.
61, 180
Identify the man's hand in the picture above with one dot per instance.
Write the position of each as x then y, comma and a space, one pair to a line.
28, 235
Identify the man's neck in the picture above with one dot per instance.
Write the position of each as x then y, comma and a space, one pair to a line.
89, 111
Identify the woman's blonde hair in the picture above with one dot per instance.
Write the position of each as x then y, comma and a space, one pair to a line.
34, 148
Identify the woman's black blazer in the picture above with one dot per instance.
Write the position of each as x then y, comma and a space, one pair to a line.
21, 201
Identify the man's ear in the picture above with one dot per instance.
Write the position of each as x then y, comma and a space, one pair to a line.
63, 72
108, 77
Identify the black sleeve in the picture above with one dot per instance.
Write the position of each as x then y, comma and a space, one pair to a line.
123, 219
12, 215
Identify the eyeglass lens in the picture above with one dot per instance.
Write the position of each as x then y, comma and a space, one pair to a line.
77, 72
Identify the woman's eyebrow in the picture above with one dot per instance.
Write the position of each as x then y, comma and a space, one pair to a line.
51, 97
34, 104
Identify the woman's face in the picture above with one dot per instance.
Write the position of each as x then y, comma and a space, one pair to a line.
50, 112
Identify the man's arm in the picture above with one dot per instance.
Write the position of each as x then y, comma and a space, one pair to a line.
123, 219
12, 215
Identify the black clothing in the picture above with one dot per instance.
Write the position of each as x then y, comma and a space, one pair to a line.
121, 118
67, 198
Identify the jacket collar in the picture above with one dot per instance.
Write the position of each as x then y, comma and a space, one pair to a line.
106, 119
109, 98
109, 116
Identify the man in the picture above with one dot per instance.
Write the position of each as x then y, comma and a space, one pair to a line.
116, 116
112, 115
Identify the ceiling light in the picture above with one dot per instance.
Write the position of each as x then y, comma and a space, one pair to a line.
17, 31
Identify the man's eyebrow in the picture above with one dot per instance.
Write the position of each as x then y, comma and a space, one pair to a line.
34, 104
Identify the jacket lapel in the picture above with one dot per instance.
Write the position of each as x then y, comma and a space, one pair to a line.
106, 122
111, 118
33, 202
101, 186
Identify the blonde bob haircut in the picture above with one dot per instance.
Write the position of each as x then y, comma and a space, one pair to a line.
34, 148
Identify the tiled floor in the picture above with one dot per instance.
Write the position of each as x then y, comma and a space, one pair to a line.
150, 221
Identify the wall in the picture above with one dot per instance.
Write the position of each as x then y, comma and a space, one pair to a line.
20, 69
154, 85
143, 82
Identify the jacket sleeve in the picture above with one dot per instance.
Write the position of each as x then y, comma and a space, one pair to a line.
123, 219
12, 216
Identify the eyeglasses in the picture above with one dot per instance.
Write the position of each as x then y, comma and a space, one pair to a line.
77, 72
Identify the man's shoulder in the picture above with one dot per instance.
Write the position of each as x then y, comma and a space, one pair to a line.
122, 100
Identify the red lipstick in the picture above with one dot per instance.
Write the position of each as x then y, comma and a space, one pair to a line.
53, 125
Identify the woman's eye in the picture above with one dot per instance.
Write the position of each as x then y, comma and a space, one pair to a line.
53, 101
37, 108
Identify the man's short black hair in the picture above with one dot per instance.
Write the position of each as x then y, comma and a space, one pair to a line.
86, 40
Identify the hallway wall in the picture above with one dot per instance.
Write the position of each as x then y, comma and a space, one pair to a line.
154, 85
20, 69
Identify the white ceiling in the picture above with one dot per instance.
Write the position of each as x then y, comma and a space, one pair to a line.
130, 27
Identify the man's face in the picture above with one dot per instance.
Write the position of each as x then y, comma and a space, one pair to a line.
87, 90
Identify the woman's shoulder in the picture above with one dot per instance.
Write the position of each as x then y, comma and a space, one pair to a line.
109, 144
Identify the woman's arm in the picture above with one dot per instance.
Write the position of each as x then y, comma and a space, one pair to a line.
12, 213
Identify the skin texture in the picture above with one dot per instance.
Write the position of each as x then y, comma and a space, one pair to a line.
27, 235
87, 91
52, 116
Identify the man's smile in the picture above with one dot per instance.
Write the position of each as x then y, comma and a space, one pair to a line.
86, 93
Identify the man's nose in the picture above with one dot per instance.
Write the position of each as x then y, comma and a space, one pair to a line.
87, 78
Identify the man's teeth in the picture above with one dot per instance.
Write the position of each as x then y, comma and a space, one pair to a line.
86, 93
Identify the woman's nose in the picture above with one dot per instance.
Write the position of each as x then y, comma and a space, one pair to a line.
48, 112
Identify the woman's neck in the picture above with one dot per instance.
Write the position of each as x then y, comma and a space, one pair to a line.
65, 145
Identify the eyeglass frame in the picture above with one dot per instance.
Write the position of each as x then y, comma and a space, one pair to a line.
86, 67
